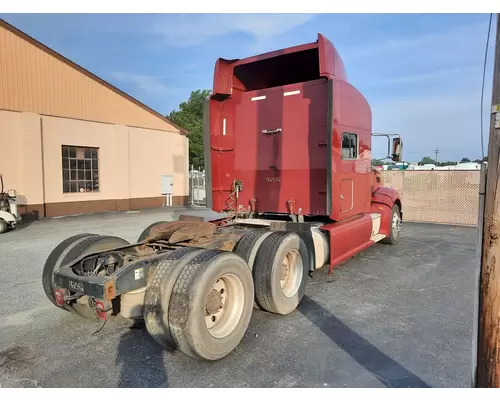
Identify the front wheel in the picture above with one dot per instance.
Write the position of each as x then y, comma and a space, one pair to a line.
395, 230
3, 226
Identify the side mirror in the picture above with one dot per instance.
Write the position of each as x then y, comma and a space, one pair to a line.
397, 149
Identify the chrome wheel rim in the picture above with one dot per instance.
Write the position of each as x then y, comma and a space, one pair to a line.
224, 305
291, 273
396, 224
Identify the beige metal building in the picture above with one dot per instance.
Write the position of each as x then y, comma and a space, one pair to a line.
72, 143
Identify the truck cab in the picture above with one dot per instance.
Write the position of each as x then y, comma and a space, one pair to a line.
292, 131
287, 135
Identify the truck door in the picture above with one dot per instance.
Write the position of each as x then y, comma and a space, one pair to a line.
349, 155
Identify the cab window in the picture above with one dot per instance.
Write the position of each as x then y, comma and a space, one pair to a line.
349, 146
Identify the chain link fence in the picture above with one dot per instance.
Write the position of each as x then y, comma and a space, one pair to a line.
446, 197
197, 190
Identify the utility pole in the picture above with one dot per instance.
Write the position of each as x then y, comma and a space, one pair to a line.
488, 319
436, 151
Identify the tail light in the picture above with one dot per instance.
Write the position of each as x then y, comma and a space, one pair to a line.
59, 295
100, 310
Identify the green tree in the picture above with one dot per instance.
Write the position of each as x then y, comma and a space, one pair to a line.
377, 163
465, 159
445, 163
427, 160
190, 116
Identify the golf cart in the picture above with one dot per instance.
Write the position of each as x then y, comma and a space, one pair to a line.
9, 217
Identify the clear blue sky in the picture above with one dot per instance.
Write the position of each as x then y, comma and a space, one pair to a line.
421, 73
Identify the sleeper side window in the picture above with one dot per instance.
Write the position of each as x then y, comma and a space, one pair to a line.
349, 146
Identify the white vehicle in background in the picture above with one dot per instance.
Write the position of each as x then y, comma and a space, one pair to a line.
426, 167
9, 217
467, 166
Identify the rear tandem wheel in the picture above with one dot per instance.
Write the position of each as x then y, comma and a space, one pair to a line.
145, 232
69, 250
159, 290
206, 309
281, 272
248, 246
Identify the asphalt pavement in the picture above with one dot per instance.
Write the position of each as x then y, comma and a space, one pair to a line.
393, 316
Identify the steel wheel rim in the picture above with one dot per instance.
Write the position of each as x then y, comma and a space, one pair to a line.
291, 273
396, 224
224, 306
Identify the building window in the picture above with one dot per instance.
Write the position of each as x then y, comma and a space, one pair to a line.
80, 166
349, 146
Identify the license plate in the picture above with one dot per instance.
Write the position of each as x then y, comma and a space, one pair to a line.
76, 286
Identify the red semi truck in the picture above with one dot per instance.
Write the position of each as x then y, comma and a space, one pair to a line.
288, 161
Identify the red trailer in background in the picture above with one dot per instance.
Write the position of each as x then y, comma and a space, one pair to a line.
288, 159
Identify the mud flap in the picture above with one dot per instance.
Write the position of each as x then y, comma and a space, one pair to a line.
303, 229
307, 238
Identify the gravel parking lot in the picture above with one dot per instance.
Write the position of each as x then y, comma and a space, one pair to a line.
395, 316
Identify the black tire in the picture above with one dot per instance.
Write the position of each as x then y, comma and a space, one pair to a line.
188, 303
54, 261
69, 250
248, 246
159, 290
267, 273
394, 235
145, 232
4, 227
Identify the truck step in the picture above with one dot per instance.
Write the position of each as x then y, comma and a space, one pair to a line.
376, 220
